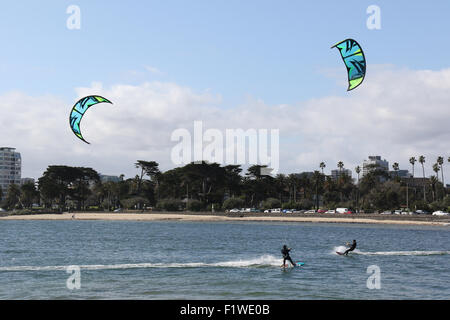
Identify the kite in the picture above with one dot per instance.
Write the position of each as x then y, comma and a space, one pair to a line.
354, 60
78, 111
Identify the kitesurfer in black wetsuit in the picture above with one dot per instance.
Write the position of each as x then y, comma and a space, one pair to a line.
352, 247
286, 256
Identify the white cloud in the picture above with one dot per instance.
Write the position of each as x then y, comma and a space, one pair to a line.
154, 70
395, 113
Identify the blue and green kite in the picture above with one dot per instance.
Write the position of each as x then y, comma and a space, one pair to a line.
78, 111
354, 60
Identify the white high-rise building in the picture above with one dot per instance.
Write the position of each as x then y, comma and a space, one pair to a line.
374, 162
10, 168
336, 174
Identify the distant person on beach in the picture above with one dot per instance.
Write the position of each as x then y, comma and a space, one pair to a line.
286, 256
352, 247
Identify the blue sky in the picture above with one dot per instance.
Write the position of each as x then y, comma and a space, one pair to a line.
255, 55
278, 51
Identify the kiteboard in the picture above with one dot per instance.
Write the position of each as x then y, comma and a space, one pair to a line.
339, 253
297, 264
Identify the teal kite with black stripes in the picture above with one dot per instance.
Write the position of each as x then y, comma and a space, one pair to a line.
78, 111
355, 61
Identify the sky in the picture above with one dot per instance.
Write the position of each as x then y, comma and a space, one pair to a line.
254, 64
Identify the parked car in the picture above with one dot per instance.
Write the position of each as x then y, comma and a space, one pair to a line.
387, 212
235, 210
422, 212
321, 211
341, 210
267, 211
277, 210
348, 212
254, 210
118, 210
440, 213
310, 211
331, 211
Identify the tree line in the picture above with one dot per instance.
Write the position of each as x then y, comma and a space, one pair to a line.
210, 186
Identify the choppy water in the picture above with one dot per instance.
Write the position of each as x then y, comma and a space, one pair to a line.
187, 260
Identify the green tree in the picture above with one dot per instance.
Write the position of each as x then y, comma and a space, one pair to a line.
12, 199
322, 166
422, 162
395, 166
28, 194
440, 162
413, 161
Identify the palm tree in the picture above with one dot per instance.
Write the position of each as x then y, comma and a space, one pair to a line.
395, 166
358, 171
340, 166
322, 166
440, 162
433, 183
422, 161
412, 160
436, 170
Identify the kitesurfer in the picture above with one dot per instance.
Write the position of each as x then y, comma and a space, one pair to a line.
351, 248
286, 256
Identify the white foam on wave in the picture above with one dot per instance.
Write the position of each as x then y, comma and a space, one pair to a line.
342, 249
262, 261
402, 253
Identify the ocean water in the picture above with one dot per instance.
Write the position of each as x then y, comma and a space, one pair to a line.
237, 260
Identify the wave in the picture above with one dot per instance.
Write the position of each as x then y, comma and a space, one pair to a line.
263, 261
402, 253
342, 249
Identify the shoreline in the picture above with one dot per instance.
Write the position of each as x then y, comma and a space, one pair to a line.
222, 217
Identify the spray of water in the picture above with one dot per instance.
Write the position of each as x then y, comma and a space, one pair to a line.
262, 261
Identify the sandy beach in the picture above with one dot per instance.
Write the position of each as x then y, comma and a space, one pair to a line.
209, 217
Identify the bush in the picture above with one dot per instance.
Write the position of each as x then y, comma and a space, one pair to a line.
271, 203
421, 205
21, 212
233, 203
217, 207
291, 205
170, 205
195, 205
306, 204
130, 203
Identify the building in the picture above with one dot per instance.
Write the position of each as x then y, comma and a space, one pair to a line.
10, 168
416, 182
106, 178
305, 174
400, 173
372, 163
336, 173
27, 180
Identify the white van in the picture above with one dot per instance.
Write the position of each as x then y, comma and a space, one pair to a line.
341, 210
